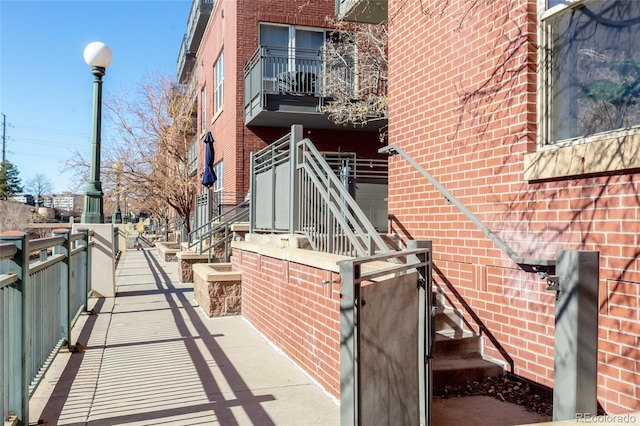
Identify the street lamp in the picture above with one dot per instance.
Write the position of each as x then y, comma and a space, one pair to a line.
98, 56
117, 215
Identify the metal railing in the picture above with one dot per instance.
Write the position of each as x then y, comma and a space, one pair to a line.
40, 300
328, 215
320, 207
282, 71
539, 265
220, 228
198, 17
173, 225
368, 360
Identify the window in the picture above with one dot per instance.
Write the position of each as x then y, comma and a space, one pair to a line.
218, 194
589, 89
203, 104
292, 56
218, 168
591, 65
218, 73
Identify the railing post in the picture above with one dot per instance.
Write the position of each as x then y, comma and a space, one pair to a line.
116, 239
87, 243
294, 201
426, 329
349, 345
328, 219
576, 335
65, 284
252, 193
18, 345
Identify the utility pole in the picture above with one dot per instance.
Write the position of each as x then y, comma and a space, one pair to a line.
4, 136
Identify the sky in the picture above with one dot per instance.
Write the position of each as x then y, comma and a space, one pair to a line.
46, 88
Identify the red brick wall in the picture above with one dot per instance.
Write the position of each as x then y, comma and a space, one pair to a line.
288, 303
463, 105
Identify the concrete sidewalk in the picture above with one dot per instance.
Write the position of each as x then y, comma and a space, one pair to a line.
151, 357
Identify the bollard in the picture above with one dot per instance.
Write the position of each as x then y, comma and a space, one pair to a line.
576, 335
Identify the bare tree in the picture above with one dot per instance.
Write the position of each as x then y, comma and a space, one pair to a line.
145, 158
13, 216
38, 186
149, 156
356, 73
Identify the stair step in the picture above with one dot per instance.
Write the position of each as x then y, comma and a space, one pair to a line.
457, 370
457, 342
448, 319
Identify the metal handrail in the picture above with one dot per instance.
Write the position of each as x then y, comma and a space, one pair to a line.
536, 262
321, 207
219, 224
40, 300
345, 211
196, 233
164, 228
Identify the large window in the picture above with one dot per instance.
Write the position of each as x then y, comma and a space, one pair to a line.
293, 57
589, 89
591, 69
218, 73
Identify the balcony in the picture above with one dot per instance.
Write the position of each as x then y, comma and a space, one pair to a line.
198, 18
186, 62
281, 88
196, 24
362, 11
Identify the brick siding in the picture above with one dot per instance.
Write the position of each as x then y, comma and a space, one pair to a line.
288, 303
463, 105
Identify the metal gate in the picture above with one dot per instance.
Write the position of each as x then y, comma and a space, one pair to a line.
203, 212
387, 336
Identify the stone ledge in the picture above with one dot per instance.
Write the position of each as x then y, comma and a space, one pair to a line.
217, 289
186, 261
168, 251
216, 272
315, 259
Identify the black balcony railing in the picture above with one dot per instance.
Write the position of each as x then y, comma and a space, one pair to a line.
295, 76
276, 70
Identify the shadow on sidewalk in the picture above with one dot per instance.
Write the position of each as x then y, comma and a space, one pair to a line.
220, 407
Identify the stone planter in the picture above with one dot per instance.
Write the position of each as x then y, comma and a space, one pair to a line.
186, 261
217, 289
167, 251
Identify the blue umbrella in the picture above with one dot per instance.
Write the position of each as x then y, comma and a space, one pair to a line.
209, 176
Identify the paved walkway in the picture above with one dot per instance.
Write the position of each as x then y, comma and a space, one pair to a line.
151, 357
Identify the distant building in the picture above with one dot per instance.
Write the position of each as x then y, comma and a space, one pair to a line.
66, 202
23, 198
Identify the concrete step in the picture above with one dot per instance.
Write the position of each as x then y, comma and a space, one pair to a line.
448, 319
457, 370
457, 342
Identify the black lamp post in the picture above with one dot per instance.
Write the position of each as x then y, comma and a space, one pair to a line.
98, 56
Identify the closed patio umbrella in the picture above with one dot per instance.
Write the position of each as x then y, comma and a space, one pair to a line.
209, 176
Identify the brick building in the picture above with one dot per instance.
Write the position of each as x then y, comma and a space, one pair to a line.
255, 67
525, 111
528, 123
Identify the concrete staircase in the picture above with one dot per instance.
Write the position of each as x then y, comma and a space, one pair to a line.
458, 356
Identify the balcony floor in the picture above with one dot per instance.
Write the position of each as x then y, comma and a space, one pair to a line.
152, 357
